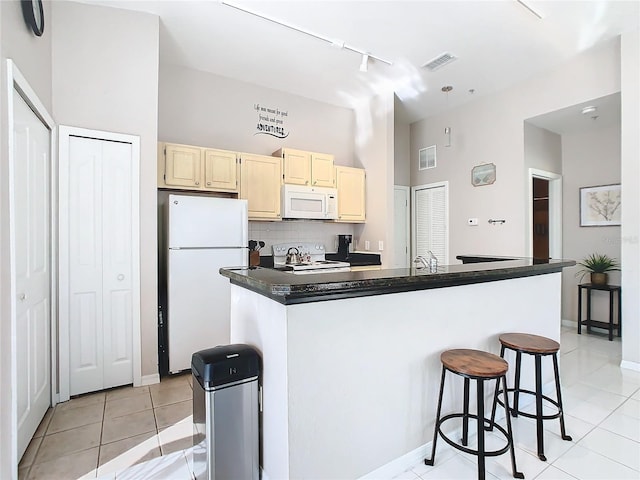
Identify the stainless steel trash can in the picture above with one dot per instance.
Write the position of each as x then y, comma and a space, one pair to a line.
225, 413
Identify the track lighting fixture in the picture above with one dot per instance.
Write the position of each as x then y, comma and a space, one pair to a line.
339, 44
364, 65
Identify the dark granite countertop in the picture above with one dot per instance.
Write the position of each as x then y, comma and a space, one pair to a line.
288, 288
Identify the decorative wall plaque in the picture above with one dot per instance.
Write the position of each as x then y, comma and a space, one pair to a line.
484, 174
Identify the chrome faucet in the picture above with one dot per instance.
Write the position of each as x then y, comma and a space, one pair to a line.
432, 264
420, 259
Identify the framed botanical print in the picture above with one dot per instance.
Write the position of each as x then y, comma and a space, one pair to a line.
600, 206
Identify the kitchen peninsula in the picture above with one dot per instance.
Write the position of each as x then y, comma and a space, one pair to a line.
352, 360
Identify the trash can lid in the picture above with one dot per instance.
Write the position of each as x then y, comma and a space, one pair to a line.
226, 364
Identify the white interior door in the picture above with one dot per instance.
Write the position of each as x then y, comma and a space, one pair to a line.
32, 241
401, 227
99, 262
430, 225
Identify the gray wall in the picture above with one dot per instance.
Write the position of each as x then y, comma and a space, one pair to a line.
401, 155
105, 77
32, 55
199, 108
588, 159
490, 129
542, 149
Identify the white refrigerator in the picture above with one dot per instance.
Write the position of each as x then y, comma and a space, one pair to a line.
204, 234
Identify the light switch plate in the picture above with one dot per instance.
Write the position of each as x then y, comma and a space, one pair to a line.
380, 245
366, 245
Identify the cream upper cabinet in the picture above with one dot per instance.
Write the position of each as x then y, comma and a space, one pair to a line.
183, 166
220, 170
306, 168
188, 167
260, 185
351, 194
296, 166
322, 171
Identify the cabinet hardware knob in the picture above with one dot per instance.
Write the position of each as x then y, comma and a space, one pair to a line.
22, 297
197, 183
120, 277
209, 183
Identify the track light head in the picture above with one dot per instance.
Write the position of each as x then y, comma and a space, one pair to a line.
364, 66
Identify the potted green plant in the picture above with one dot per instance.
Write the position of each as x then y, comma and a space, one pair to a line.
598, 265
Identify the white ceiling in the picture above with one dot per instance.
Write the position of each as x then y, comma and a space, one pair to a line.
497, 44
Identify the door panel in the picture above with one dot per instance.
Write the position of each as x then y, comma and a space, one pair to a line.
85, 267
101, 275
32, 262
117, 269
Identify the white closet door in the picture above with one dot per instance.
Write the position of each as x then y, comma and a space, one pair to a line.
100, 264
32, 240
117, 268
431, 221
85, 265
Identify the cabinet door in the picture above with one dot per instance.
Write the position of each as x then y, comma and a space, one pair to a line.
351, 194
260, 185
297, 167
220, 170
322, 171
183, 167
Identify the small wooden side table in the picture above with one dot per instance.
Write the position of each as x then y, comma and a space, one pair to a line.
589, 322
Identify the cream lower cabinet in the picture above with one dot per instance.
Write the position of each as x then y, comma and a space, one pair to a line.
260, 185
351, 194
306, 168
195, 168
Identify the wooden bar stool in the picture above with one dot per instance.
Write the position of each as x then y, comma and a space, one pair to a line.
538, 347
479, 366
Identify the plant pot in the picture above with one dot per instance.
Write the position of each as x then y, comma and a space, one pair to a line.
599, 278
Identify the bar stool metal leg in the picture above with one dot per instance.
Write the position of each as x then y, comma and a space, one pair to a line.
516, 392
539, 428
480, 395
437, 425
559, 398
516, 473
465, 417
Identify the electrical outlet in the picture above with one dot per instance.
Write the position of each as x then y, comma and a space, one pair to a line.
472, 222
366, 245
380, 245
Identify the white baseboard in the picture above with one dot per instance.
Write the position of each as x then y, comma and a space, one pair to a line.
630, 365
400, 464
149, 379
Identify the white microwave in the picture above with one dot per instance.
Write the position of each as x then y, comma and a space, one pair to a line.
299, 201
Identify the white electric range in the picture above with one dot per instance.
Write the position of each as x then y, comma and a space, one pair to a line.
312, 259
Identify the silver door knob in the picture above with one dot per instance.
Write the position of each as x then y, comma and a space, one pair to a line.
120, 277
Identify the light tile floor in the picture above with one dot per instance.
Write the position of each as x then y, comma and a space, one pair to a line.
145, 433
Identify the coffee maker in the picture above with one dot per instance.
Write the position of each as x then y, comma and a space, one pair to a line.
343, 245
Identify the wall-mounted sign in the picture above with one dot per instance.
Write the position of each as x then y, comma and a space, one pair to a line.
271, 121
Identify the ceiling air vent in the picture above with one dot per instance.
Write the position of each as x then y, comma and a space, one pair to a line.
439, 61
427, 158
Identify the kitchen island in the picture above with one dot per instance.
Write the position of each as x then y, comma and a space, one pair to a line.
352, 360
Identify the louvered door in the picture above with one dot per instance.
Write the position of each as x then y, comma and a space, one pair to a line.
431, 221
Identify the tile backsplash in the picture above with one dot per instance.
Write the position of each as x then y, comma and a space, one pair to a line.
298, 231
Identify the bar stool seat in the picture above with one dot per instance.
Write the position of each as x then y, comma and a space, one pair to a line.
539, 347
479, 366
